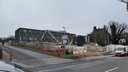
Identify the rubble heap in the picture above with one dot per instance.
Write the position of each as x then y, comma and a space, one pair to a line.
86, 50
94, 49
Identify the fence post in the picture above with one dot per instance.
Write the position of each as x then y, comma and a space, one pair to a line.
1, 53
59, 52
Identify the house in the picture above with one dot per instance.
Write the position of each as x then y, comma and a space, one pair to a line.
100, 36
124, 39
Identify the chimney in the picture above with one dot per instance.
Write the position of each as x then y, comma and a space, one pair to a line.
94, 28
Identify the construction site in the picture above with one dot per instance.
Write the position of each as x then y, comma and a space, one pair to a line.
47, 40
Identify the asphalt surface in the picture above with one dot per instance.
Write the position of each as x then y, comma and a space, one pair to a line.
16, 54
20, 54
111, 64
30, 60
35, 62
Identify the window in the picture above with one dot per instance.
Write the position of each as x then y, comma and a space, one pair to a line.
20, 38
24, 30
29, 30
30, 38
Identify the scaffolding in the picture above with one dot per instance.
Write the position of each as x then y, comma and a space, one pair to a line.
47, 31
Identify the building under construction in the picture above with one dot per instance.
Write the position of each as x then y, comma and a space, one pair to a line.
34, 35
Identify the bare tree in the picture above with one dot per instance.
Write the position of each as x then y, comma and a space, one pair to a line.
116, 31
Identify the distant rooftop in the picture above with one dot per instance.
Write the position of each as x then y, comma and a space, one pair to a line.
45, 30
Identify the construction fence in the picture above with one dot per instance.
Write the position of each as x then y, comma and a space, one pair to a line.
92, 49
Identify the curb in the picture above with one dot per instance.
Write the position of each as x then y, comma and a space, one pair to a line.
94, 57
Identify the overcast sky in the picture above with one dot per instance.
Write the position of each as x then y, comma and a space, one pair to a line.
77, 16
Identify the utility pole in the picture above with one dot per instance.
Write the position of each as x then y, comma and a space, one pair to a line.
64, 29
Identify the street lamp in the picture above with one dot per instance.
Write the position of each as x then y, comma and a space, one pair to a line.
64, 29
64, 35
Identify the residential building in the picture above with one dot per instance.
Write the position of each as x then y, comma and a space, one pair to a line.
124, 39
100, 36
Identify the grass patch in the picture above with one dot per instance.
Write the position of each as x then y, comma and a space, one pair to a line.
27, 48
34, 49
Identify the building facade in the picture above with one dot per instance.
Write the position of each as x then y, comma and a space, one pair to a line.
100, 36
33, 35
124, 39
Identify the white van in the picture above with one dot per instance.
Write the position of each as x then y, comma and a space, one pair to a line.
121, 51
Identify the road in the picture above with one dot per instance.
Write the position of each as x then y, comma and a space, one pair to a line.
19, 53
31, 60
111, 64
53, 64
